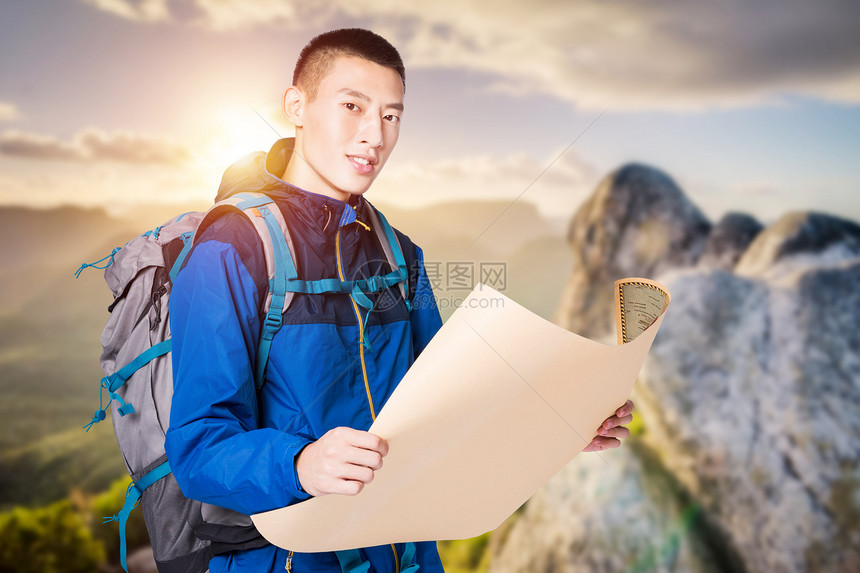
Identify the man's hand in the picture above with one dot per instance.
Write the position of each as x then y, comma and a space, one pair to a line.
612, 430
342, 461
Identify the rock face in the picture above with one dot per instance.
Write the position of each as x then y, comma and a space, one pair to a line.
617, 511
637, 223
728, 240
751, 395
798, 242
750, 400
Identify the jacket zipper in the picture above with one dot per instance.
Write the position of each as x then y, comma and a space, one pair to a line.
340, 275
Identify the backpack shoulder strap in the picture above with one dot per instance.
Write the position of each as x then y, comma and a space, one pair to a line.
278, 247
269, 222
393, 251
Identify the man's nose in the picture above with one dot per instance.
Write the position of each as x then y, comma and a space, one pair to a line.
370, 131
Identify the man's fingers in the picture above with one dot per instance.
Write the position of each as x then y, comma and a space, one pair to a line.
600, 443
354, 456
351, 472
614, 421
624, 410
366, 458
612, 430
364, 440
340, 486
619, 432
623, 416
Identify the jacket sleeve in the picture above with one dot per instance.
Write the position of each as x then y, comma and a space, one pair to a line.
217, 451
425, 317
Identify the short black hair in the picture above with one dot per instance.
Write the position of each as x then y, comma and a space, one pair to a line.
317, 58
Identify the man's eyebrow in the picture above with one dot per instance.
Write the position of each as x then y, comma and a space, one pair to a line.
362, 96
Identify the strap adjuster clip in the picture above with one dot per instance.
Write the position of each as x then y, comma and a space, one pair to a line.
274, 320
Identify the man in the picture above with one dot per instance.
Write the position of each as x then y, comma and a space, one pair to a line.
333, 363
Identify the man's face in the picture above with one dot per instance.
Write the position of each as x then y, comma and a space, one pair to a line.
349, 129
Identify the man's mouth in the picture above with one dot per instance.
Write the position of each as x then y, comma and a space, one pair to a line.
364, 165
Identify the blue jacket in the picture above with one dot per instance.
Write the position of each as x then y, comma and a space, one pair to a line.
231, 446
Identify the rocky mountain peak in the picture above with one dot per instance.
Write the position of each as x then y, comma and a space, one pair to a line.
798, 241
637, 223
728, 241
749, 397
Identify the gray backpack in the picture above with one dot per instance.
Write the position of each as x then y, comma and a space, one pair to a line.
185, 533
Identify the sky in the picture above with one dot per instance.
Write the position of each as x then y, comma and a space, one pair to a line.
750, 105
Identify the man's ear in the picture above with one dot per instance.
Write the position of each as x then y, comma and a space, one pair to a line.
294, 105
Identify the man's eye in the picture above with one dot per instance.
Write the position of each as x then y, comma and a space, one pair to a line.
392, 118
350, 106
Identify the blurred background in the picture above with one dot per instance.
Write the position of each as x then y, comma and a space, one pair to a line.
547, 148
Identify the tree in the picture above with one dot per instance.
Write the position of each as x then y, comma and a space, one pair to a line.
50, 539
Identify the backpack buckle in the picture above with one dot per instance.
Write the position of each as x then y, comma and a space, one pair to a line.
273, 321
375, 284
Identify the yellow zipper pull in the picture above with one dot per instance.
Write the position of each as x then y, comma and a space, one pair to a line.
289, 565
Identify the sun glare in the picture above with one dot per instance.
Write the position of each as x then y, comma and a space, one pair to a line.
238, 131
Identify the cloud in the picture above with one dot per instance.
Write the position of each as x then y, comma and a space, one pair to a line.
629, 54
9, 111
233, 14
624, 54
139, 11
93, 145
217, 15
114, 186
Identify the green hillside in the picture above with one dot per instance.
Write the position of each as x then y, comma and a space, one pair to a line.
45, 470
49, 348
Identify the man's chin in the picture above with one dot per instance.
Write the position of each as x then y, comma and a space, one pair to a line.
355, 190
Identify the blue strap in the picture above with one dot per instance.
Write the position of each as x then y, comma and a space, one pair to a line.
284, 269
132, 498
113, 382
320, 286
251, 200
360, 298
363, 300
187, 243
95, 265
402, 269
122, 375
351, 562
154, 232
407, 561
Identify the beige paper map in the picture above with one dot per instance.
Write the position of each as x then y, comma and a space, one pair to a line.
498, 402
